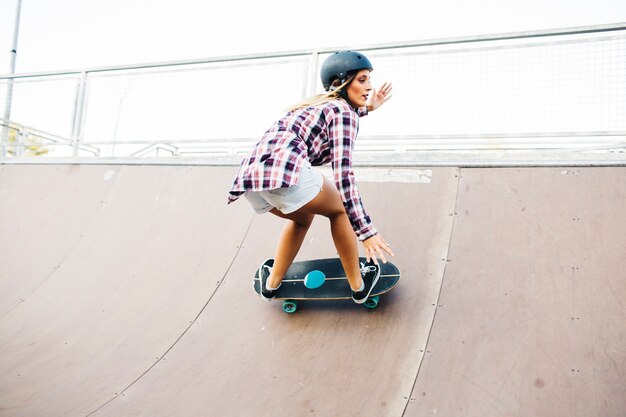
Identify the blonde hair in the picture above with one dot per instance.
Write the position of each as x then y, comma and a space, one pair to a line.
332, 94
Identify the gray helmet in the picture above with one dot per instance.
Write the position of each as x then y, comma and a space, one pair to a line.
339, 64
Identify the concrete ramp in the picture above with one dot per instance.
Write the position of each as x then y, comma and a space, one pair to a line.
126, 291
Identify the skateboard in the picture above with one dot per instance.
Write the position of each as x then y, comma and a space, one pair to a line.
325, 279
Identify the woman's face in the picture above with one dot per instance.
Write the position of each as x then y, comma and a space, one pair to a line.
359, 88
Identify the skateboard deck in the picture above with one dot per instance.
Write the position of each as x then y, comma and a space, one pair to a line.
325, 279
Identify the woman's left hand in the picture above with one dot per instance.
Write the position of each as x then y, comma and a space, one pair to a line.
378, 98
375, 247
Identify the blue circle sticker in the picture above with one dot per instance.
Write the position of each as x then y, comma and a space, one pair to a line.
314, 279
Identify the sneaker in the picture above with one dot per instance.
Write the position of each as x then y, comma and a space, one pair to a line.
264, 273
370, 273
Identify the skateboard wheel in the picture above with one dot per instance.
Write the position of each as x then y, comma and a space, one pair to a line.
372, 302
290, 306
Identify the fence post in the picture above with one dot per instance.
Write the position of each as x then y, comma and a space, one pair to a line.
79, 110
311, 76
9, 93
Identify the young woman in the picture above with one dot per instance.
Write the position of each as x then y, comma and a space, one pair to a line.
277, 175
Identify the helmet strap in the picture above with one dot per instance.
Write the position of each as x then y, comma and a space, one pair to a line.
343, 93
342, 88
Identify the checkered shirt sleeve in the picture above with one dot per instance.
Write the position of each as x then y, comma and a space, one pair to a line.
342, 131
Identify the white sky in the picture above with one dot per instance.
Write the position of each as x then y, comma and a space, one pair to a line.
72, 34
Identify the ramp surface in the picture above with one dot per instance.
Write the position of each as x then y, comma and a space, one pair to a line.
126, 291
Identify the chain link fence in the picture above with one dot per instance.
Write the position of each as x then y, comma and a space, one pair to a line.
549, 90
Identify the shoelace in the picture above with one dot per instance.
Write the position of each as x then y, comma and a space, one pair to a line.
365, 269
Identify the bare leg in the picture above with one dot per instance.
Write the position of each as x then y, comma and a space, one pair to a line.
289, 243
346, 244
328, 204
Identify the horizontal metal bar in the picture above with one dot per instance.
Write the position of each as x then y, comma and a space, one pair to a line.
499, 47
372, 138
580, 30
407, 159
85, 147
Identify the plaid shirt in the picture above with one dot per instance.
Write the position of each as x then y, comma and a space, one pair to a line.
320, 134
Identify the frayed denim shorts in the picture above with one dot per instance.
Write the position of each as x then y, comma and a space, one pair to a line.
289, 199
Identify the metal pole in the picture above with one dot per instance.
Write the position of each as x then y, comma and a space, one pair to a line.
79, 108
311, 75
9, 95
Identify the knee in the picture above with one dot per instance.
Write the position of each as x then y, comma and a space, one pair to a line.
336, 213
304, 221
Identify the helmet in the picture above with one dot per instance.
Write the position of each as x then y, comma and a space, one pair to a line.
339, 64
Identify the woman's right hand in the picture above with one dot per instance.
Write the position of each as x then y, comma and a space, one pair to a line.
376, 247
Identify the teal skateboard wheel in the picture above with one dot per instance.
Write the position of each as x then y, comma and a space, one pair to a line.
314, 279
372, 302
290, 306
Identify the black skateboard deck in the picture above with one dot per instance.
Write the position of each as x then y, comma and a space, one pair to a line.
325, 279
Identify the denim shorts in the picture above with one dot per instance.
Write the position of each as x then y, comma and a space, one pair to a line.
289, 199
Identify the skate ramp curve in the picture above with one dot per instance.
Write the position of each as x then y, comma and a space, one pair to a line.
126, 291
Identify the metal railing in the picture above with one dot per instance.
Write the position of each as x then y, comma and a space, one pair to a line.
562, 90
